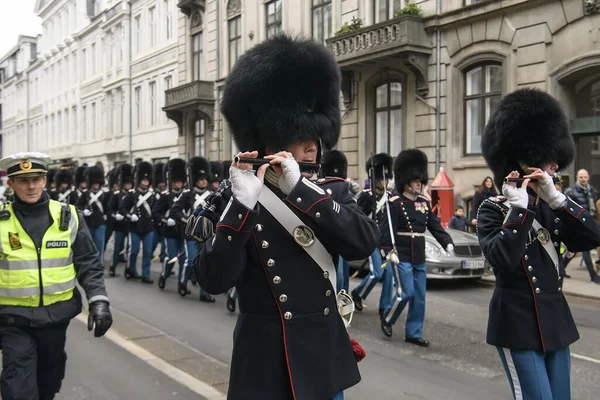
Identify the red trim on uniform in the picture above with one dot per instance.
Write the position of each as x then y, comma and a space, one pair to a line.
314, 204
238, 228
537, 315
330, 179
567, 209
287, 360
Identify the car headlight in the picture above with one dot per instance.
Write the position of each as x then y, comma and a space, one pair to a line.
434, 250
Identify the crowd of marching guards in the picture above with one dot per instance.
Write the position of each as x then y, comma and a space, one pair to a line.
145, 209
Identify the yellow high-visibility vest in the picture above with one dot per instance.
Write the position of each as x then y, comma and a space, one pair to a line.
36, 277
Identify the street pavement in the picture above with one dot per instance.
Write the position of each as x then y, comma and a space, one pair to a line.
458, 365
98, 369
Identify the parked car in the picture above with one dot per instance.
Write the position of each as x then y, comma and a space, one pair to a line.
466, 263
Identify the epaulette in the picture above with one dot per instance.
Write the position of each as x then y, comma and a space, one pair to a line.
496, 199
322, 181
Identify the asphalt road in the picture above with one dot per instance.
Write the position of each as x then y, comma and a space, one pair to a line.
98, 369
458, 365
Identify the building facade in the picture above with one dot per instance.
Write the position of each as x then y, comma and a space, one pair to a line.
426, 74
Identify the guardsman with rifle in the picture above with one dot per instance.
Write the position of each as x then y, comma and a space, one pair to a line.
63, 191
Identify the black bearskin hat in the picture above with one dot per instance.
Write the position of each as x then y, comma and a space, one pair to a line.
175, 171
226, 166
143, 170
216, 171
335, 163
380, 163
93, 175
198, 168
112, 178
283, 91
410, 165
80, 175
50, 177
158, 176
125, 174
63, 176
529, 128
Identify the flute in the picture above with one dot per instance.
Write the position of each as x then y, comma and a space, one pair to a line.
520, 180
261, 161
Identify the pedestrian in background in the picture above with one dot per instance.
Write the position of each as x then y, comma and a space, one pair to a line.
458, 220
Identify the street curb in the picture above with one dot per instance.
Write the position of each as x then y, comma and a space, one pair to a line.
565, 292
195, 385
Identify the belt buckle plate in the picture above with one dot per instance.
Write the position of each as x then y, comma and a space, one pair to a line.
304, 236
543, 235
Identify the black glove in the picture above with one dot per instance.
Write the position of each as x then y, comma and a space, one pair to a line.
99, 314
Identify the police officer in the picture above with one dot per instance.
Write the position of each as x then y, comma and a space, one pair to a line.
281, 102
120, 224
520, 233
373, 203
63, 187
136, 206
198, 173
46, 248
175, 172
94, 206
411, 215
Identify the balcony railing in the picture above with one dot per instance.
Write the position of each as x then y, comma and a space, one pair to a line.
195, 97
401, 39
591, 6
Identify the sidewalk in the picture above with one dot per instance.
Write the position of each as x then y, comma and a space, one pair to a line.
578, 285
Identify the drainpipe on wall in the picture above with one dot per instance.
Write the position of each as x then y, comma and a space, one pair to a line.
130, 144
218, 111
438, 86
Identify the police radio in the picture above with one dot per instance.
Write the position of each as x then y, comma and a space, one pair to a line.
4, 213
65, 218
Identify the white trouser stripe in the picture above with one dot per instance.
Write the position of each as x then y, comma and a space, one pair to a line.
371, 277
396, 274
512, 371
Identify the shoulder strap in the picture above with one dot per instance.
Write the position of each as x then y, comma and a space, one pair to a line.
290, 221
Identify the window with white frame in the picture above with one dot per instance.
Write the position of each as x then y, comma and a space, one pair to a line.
168, 85
152, 87
388, 118
109, 48
120, 126
93, 122
122, 43
321, 20
152, 17
235, 40
482, 93
385, 9
138, 107
138, 34
197, 57
168, 19
109, 113
93, 57
274, 18
199, 138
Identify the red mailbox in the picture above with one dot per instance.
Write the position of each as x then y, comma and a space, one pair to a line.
442, 197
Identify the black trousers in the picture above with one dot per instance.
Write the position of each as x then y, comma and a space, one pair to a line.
33, 362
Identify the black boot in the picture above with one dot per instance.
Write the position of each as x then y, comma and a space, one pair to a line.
230, 304
111, 271
386, 327
358, 305
183, 290
418, 341
147, 280
207, 298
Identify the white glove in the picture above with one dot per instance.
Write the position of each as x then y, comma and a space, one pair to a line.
119, 217
393, 258
245, 186
517, 197
86, 212
290, 176
134, 218
170, 222
547, 192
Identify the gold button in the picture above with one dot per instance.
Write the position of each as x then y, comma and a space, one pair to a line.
534, 279
298, 200
277, 280
326, 275
530, 268
515, 231
283, 298
318, 215
229, 238
259, 227
328, 293
240, 216
537, 290
287, 315
326, 311
270, 262
264, 244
